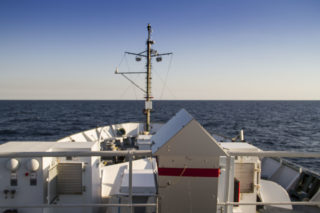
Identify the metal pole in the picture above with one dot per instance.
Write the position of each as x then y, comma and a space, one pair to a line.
130, 180
157, 202
283, 154
73, 205
74, 153
148, 92
227, 179
294, 203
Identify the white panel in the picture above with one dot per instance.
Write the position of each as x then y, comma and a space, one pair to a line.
273, 192
24, 192
143, 182
268, 167
52, 183
148, 105
239, 147
172, 127
285, 176
192, 141
112, 175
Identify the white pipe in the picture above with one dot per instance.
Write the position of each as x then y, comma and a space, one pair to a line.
294, 203
130, 181
241, 135
147, 153
283, 154
227, 179
80, 205
73, 153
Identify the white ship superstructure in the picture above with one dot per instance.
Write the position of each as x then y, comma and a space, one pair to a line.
149, 167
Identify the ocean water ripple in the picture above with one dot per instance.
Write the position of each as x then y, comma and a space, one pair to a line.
270, 125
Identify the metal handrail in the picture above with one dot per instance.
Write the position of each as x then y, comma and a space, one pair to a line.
131, 153
294, 203
73, 154
149, 153
81, 205
281, 154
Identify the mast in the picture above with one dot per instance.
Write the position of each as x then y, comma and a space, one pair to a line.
148, 103
149, 53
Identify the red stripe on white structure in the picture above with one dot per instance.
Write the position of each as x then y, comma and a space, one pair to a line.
189, 172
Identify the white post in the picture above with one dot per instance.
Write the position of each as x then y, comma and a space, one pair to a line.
241, 135
130, 181
227, 184
157, 203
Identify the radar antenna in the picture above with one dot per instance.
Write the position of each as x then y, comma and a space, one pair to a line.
149, 53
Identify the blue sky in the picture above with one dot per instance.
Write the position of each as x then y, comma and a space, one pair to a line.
229, 50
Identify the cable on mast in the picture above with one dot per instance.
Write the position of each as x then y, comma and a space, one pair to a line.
166, 77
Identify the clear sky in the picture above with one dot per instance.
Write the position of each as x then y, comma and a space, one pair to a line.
230, 50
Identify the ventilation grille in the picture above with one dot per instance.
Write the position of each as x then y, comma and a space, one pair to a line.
244, 172
69, 179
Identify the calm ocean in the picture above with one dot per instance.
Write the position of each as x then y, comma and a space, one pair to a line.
270, 125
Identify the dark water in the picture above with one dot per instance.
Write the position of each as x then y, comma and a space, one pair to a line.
270, 125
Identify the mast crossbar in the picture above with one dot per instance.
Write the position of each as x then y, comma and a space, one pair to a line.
155, 55
131, 72
137, 54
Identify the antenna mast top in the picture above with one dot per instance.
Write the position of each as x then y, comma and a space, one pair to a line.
149, 53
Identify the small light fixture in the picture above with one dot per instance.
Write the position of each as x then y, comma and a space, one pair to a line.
13, 164
33, 165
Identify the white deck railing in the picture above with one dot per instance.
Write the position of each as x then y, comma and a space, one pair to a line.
131, 153
73, 154
293, 203
281, 154
81, 205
